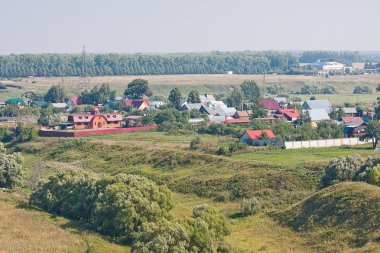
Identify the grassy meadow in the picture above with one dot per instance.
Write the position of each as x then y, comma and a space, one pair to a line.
211, 84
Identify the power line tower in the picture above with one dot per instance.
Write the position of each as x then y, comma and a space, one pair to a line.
84, 80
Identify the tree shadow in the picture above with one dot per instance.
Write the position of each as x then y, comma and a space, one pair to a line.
235, 215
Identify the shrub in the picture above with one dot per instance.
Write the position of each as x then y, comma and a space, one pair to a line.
341, 169
195, 143
10, 168
203, 232
250, 206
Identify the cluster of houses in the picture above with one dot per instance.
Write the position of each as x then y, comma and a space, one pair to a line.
353, 121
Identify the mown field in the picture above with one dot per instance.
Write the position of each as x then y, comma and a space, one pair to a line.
280, 179
211, 84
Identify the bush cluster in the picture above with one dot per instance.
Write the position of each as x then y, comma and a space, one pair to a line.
352, 168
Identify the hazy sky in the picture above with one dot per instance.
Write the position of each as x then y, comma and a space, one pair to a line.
129, 26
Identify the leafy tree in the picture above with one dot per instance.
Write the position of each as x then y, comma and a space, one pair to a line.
250, 206
71, 194
10, 168
162, 236
341, 169
373, 132
137, 89
306, 132
378, 88
175, 98
127, 201
56, 94
258, 111
25, 132
305, 117
206, 228
97, 95
235, 99
328, 129
275, 90
251, 91
203, 232
33, 96
361, 89
193, 97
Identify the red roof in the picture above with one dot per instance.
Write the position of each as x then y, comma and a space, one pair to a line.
257, 134
270, 104
352, 119
291, 113
75, 100
136, 102
241, 120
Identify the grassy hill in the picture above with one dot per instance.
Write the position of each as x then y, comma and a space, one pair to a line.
345, 215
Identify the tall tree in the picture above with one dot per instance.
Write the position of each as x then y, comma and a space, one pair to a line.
373, 132
137, 89
175, 98
251, 91
56, 94
193, 97
235, 99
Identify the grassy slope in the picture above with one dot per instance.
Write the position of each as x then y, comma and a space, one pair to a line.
212, 84
28, 230
277, 186
342, 215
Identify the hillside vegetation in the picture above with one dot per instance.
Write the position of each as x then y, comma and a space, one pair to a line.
345, 215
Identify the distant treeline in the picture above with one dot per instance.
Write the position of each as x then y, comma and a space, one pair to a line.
247, 62
343, 57
43, 65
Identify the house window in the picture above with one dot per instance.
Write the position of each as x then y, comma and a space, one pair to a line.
86, 123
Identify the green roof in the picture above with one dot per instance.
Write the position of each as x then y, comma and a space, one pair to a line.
15, 101
39, 103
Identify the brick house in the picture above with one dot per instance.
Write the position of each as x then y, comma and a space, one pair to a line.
95, 120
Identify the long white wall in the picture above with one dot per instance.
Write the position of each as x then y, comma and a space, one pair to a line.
323, 143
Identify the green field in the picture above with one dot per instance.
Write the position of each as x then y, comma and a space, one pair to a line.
211, 84
279, 178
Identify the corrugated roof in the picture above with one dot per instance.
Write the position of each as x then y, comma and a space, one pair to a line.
317, 104
318, 114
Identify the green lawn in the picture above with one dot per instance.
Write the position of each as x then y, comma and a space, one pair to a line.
295, 157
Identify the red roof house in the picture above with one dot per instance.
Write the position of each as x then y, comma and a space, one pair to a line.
270, 104
256, 138
289, 114
352, 119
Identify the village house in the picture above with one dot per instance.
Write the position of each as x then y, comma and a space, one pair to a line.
16, 101
355, 129
317, 115
95, 120
348, 111
260, 138
243, 114
290, 115
317, 104
139, 104
270, 105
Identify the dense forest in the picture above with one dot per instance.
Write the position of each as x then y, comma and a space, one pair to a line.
122, 64
247, 62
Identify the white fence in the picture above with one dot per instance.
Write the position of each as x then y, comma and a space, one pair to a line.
323, 143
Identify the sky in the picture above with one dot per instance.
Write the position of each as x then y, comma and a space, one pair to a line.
161, 26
